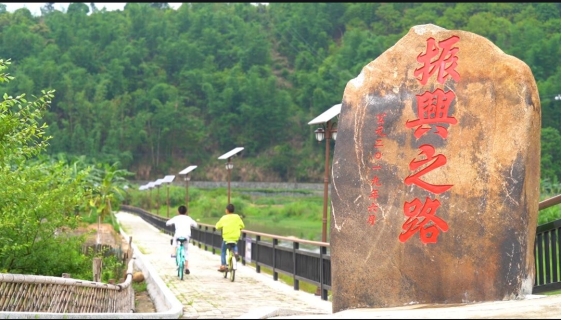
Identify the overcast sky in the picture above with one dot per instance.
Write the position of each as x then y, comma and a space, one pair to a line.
35, 7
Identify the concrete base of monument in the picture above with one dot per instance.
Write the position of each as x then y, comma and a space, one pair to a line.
532, 307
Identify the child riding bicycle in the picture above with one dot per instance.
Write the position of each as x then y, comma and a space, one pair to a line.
231, 225
182, 223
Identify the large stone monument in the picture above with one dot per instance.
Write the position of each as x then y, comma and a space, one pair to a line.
436, 175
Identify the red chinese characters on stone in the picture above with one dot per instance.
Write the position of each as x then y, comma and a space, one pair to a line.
422, 219
433, 162
445, 63
371, 220
433, 108
375, 181
380, 132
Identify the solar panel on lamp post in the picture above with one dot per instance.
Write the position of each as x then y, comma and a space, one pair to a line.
228, 156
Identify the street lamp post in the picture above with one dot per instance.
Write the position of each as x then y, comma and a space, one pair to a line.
229, 165
327, 133
157, 200
142, 188
168, 180
157, 184
148, 187
186, 178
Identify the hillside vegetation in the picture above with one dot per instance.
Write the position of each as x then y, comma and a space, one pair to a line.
158, 89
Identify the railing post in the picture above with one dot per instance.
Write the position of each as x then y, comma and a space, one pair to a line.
200, 237
275, 274
295, 281
243, 258
323, 292
258, 268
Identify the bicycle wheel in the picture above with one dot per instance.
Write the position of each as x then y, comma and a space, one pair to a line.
231, 266
227, 262
227, 267
178, 258
180, 270
181, 262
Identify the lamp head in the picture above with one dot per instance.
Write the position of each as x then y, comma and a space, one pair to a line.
319, 134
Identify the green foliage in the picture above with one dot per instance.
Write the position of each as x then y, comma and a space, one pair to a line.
549, 189
140, 286
549, 214
39, 198
550, 157
153, 88
113, 266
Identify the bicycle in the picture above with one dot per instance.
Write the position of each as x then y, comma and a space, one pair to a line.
231, 261
180, 257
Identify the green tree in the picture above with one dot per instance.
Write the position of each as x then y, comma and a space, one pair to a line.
550, 155
155, 88
39, 199
108, 190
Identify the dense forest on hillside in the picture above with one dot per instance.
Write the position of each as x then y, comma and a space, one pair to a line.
158, 89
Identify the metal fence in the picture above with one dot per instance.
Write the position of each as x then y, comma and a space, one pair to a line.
547, 257
303, 260
309, 261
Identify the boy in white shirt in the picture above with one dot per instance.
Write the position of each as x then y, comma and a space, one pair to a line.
182, 223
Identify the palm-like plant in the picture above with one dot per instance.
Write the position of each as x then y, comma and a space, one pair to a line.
108, 189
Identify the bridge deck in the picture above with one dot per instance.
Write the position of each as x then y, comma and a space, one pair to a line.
205, 293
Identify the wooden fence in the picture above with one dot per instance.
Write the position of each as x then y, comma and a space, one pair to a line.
28, 293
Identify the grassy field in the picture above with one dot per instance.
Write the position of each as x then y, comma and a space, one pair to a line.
270, 211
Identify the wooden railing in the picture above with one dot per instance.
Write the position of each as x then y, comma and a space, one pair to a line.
28, 293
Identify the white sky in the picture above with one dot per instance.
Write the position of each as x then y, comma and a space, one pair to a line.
35, 7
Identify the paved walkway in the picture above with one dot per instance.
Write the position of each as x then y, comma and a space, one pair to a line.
205, 293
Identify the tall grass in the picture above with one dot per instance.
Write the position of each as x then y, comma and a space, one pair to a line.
303, 207
299, 214
211, 203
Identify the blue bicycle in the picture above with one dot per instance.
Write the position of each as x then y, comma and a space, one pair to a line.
180, 256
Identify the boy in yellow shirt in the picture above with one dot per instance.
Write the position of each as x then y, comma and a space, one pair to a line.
231, 225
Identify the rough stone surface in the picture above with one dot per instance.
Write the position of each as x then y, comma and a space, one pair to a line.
479, 158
